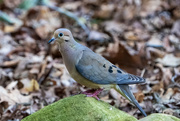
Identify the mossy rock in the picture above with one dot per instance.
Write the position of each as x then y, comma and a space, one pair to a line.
160, 117
79, 108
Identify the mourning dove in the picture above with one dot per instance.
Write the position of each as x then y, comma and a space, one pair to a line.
92, 70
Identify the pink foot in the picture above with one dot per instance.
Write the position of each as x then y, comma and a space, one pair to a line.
89, 93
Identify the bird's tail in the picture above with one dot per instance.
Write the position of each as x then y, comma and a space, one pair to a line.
125, 91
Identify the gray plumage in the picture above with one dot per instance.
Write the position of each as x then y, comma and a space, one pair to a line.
91, 69
109, 74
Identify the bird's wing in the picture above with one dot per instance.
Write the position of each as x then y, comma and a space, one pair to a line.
99, 70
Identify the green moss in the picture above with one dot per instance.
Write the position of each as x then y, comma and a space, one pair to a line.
160, 117
79, 108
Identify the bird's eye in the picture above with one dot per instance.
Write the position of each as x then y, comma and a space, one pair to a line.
60, 34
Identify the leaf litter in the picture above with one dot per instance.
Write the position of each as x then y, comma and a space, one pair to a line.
141, 40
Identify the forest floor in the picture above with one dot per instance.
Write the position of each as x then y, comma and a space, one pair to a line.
140, 36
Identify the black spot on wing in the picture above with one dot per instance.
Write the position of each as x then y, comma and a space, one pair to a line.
114, 66
104, 65
119, 71
110, 69
66, 40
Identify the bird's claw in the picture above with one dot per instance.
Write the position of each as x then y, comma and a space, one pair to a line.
94, 94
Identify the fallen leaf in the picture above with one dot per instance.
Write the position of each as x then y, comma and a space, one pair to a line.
139, 96
71, 5
13, 96
176, 28
98, 37
131, 36
114, 28
155, 42
155, 5
169, 60
105, 11
126, 57
29, 85
168, 111
166, 97
10, 63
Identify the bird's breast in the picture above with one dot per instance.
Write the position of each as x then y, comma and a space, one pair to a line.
71, 57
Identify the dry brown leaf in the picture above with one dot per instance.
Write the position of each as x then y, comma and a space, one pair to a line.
169, 60
155, 5
15, 27
114, 28
166, 97
124, 56
43, 20
71, 5
12, 4
50, 95
174, 40
131, 36
105, 11
176, 96
43, 30
154, 53
29, 85
176, 28
92, 2
155, 41
158, 87
98, 37
168, 111
10, 63
139, 96
6, 44
167, 46
13, 96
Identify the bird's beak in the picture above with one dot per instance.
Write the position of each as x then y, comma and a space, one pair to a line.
51, 40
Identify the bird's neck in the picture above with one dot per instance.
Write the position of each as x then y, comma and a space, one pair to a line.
69, 53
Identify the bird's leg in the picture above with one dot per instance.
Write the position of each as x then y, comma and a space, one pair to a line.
88, 91
94, 94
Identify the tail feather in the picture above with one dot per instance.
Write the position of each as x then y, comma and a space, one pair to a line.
125, 91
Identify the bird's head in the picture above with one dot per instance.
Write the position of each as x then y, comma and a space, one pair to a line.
61, 35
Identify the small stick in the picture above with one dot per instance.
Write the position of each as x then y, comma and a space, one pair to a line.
70, 15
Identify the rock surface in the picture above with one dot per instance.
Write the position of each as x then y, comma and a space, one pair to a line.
79, 108
160, 117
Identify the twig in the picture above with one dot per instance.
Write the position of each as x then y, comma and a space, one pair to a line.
70, 15
6, 18
44, 76
27, 4
142, 73
174, 83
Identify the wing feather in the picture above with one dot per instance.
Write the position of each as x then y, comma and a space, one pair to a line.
98, 70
